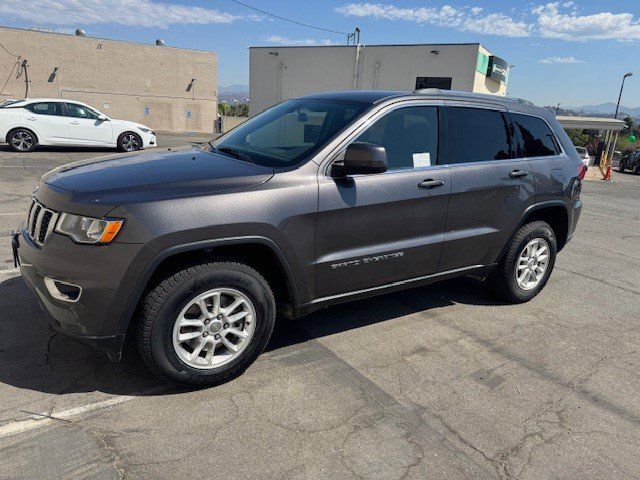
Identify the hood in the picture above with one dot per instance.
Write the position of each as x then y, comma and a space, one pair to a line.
128, 124
151, 176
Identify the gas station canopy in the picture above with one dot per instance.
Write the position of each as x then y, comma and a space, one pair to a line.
591, 123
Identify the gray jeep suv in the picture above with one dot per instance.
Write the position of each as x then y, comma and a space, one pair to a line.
318, 200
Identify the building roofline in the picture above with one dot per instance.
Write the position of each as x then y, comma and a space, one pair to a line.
375, 45
106, 39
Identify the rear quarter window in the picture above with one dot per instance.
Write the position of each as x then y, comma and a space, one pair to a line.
536, 138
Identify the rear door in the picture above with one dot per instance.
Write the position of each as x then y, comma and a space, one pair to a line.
491, 188
47, 120
85, 128
380, 228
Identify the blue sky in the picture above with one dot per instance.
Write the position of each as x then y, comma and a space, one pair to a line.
574, 52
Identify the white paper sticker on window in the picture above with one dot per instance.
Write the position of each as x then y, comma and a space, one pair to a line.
421, 160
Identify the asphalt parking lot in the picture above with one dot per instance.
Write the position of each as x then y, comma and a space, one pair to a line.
431, 383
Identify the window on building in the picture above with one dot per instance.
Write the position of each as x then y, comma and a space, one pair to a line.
536, 138
443, 83
45, 108
80, 111
477, 135
409, 135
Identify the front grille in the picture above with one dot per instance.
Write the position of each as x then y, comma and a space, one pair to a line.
40, 222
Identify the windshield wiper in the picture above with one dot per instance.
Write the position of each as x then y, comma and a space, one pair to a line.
233, 153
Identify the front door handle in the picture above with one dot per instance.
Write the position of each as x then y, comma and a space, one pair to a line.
430, 183
518, 174
73, 123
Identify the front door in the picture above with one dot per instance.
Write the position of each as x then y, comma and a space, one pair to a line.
377, 229
491, 188
85, 128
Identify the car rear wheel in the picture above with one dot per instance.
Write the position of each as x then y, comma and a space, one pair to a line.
206, 324
622, 167
129, 142
636, 169
527, 264
22, 140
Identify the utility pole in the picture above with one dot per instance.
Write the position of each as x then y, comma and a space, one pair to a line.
558, 108
26, 78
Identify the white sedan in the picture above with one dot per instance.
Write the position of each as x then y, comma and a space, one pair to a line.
25, 124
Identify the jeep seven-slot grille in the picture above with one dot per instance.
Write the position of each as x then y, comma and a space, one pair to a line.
40, 222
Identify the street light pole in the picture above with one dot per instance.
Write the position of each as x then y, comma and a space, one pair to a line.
620, 95
558, 108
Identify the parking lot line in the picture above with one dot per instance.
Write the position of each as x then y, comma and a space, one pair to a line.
40, 420
10, 214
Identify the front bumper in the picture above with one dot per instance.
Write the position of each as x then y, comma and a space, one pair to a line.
148, 140
106, 273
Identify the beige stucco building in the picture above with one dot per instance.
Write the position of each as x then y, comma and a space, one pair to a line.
169, 89
280, 73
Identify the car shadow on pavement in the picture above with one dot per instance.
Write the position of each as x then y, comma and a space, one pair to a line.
5, 148
35, 357
361, 313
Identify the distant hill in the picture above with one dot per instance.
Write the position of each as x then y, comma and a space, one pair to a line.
234, 93
608, 108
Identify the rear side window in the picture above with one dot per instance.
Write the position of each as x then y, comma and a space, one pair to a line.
477, 135
45, 108
409, 135
536, 138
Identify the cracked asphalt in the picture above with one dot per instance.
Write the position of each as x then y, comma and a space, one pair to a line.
431, 383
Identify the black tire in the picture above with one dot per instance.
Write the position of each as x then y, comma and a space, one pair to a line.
622, 167
129, 142
22, 140
162, 305
636, 169
503, 281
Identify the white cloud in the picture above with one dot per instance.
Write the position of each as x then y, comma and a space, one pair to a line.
560, 20
565, 60
299, 42
463, 18
141, 13
551, 22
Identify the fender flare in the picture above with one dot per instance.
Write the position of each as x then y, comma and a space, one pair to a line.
528, 211
150, 268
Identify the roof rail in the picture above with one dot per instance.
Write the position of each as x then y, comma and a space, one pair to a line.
457, 93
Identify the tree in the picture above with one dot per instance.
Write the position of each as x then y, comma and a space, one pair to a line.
629, 121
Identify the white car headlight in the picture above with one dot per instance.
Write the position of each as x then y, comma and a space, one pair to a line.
87, 229
146, 130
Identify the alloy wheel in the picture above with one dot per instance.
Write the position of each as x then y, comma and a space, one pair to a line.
214, 328
532, 263
130, 142
22, 140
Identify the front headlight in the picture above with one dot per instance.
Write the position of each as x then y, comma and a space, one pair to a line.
86, 229
146, 130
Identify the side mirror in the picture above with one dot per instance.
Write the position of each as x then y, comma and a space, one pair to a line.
102, 117
361, 158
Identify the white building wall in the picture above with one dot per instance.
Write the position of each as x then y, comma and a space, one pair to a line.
280, 73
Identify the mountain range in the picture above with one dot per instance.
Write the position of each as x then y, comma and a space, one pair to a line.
608, 108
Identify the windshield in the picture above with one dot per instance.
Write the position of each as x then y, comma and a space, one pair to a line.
6, 103
289, 132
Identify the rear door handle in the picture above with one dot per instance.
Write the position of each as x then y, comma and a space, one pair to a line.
430, 183
518, 174
31, 118
73, 123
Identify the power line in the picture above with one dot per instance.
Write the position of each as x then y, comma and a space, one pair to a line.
12, 54
289, 20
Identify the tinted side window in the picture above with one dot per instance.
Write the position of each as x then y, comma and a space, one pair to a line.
477, 135
409, 135
536, 138
45, 108
80, 111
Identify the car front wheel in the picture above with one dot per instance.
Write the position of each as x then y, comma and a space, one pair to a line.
527, 264
206, 324
622, 167
129, 142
